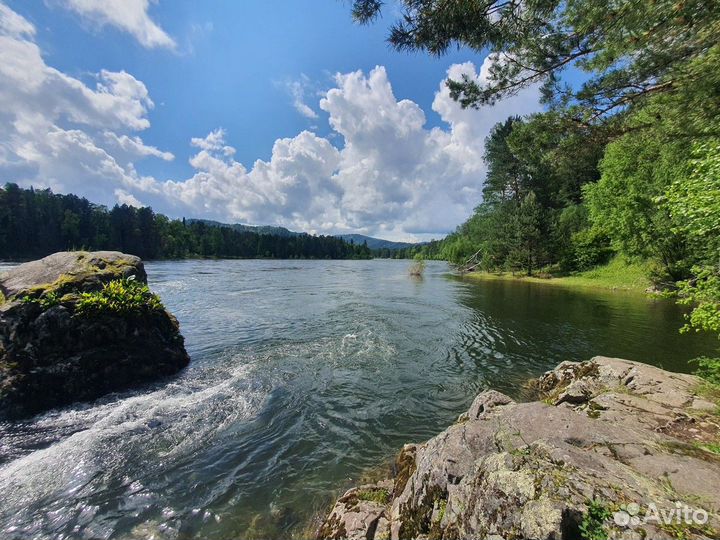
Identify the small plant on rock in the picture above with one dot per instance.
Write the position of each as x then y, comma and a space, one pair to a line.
122, 297
45, 301
379, 496
593, 523
708, 369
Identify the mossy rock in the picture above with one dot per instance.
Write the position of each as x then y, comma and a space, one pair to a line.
404, 468
79, 325
69, 271
374, 494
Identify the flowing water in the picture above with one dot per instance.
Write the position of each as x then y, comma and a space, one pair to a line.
305, 377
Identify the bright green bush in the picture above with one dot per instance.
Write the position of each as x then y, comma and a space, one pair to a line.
703, 294
693, 201
708, 369
122, 297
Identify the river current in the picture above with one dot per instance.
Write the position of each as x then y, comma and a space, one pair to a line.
306, 377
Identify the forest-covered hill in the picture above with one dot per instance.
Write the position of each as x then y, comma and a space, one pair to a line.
35, 223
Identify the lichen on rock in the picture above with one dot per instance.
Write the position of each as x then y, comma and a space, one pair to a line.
77, 325
602, 435
360, 513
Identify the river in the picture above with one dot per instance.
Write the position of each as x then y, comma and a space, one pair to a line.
305, 377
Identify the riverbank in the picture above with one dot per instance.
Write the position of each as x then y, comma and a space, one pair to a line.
610, 449
618, 274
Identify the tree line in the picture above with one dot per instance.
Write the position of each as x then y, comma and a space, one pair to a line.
622, 163
35, 223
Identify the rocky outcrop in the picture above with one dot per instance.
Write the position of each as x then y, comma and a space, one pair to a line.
77, 325
611, 449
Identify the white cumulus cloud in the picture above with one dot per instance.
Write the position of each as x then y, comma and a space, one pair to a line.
392, 176
12, 24
127, 15
385, 173
62, 133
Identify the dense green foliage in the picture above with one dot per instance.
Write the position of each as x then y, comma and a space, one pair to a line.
123, 297
35, 223
636, 170
693, 201
709, 369
533, 213
427, 250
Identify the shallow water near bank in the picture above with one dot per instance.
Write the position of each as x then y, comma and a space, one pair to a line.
305, 375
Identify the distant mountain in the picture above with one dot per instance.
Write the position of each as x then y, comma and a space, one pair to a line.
259, 229
375, 243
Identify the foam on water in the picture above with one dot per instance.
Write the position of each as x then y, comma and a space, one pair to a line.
119, 439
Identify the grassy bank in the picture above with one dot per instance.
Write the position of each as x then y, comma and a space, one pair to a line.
618, 274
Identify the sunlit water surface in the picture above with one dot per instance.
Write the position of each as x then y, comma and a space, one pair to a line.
305, 377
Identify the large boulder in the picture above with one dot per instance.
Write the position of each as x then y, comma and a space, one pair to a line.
77, 325
612, 449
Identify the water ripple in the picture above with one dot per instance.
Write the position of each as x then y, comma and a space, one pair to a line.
305, 376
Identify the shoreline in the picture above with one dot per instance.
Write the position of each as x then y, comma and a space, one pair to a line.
569, 282
599, 435
617, 275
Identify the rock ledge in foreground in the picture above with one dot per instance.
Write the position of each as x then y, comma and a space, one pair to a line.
52, 353
611, 431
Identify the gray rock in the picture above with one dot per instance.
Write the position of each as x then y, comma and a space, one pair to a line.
82, 267
487, 401
607, 430
50, 355
360, 514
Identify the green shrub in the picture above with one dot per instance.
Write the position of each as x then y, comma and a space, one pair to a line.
588, 248
703, 293
122, 297
46, 300
379, 496
593, 523
708, 369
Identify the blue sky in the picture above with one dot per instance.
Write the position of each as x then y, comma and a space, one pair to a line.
388, 153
